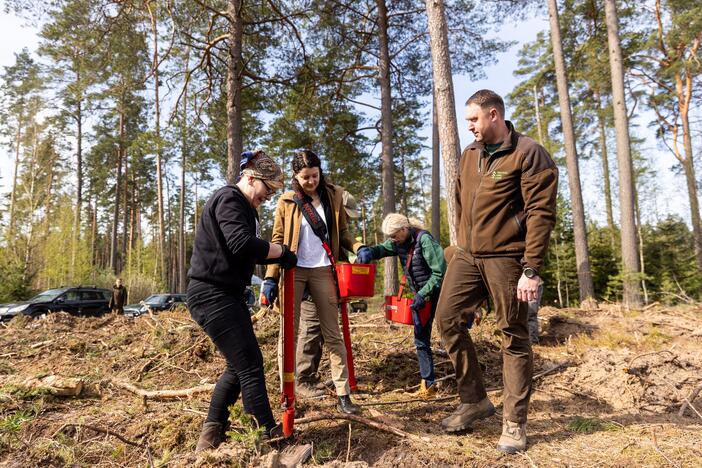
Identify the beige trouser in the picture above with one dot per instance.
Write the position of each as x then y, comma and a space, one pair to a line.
320, 284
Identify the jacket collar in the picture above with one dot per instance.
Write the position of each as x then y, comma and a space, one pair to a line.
507, 145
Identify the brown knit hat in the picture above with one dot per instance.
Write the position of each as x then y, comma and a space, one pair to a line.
262, 166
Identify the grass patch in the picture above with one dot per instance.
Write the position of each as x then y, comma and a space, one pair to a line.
591, 425
650, 339
323, 453
243, 428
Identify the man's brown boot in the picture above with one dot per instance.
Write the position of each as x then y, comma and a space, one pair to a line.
211, 436
513, 439
466, 414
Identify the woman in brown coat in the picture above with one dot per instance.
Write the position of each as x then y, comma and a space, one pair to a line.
314, 272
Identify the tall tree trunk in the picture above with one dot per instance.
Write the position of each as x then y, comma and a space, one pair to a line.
582, 253
235, 68
32, 206
196, 214
118, 184
537, 113
125, 212
630, 257
641, 248
13, 194
386, 135
159, 164
445, 105
684, 98
601, 126
93, 234
435, 172
182, 274
79, 178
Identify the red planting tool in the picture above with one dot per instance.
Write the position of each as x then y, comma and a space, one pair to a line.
287, 399
347, 341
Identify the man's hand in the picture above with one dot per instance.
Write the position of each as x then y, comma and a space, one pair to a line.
527, 288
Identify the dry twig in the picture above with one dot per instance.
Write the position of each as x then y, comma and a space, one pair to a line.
359, 419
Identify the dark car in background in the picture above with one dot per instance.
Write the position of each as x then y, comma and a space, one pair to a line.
155, 302
76, 300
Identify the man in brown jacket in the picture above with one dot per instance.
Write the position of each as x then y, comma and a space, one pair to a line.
505, 211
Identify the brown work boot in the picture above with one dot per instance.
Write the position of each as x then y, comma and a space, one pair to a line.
426, 392
466, 414
211, 436
513, 439
307, 391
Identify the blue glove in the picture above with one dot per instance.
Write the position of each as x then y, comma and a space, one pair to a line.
364, 255
418, 303
269, 290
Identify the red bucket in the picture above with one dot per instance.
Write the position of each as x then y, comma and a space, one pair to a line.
356, 279
398, 310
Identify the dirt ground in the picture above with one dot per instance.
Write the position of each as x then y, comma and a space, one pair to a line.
608, 388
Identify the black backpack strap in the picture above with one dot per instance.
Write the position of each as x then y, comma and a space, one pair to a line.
312, 217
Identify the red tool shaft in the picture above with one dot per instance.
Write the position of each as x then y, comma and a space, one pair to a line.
288, 396
347, 341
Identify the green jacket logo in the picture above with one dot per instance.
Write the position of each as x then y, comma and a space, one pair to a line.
498, 175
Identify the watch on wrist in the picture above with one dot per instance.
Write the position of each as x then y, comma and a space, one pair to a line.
530, 272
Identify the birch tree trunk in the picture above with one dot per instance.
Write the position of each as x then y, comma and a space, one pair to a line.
630, 258
582, 254
235, 67
386, 134
445, 105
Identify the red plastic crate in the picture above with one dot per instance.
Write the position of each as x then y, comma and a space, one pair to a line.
356, 279
398, 310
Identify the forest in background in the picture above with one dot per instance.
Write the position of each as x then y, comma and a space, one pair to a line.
131, 112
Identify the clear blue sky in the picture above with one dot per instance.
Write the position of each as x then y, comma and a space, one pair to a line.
14, 36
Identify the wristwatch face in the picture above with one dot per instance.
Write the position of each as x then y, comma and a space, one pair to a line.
529, 272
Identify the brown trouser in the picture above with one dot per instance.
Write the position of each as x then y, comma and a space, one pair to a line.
309, 344
469, 281
320, 284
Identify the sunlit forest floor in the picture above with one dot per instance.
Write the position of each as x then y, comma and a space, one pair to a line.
609, 385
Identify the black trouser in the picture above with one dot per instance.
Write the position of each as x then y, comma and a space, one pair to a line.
227, 321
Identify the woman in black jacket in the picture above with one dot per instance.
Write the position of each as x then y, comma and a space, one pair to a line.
227, 247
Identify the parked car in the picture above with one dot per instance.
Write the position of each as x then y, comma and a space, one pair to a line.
77, 300
155, 302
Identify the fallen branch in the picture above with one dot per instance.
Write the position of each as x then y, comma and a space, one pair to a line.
631, 361
162, 394
411, 400
365, 421
550, 371
102, 431
688, 402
